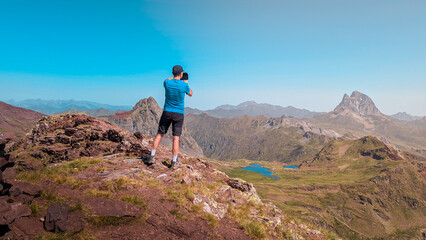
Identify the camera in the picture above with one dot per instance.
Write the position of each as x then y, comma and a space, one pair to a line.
184, 76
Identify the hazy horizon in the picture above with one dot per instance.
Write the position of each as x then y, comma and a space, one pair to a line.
306, 54
161, 102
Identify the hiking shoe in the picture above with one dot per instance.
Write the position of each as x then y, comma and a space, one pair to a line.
175, 165
151, 160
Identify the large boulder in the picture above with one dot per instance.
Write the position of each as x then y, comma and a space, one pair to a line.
59, 219
56, 218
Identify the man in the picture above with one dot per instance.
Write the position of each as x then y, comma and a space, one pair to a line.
173, 112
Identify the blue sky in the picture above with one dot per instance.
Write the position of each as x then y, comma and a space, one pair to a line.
305, 53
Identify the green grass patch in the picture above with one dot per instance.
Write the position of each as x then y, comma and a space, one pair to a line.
196, 208
115, 185
134, 200
99, 193
51, 197
36, 209
177, 213
59, 173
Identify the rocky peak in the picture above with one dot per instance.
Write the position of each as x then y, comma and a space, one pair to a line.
358, 103
147, 103
247, 104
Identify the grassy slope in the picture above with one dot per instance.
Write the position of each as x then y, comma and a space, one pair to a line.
328, 193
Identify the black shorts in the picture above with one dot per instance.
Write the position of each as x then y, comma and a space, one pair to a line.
167, 118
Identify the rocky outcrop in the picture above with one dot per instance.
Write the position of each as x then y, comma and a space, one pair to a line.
15, 216
144, 118
66, 137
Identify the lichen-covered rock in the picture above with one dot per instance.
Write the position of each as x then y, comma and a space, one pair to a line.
211, 206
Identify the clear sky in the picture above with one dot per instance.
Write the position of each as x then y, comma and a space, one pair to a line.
304, 53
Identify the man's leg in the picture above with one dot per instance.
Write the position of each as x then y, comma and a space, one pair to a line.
157, 141
163, 125
177, 125
175, 150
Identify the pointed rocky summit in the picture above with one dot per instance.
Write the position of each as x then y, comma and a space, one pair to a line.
358, 103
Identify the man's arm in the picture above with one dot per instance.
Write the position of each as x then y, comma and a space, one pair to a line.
190, 90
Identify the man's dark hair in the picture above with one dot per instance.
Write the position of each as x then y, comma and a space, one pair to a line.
177, 69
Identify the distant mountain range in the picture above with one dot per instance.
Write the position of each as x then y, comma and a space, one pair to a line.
58, 106
93, 112
252, 108
405, 116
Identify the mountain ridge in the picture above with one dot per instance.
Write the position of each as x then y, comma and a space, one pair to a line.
252, 108
58, 106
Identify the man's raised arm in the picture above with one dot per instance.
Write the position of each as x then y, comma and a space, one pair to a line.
190, 90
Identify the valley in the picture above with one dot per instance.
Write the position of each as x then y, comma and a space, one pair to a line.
353, 194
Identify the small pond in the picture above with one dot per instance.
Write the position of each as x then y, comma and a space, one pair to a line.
260, 169
291, 167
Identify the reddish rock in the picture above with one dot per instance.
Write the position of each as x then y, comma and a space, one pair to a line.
26, 227
240, 184
12, 211
56, 218
186, 180
9, 174
25, 188
112, 208
75, 223
3, 162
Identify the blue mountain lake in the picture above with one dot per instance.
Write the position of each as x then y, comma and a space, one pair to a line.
260, 169
291, 167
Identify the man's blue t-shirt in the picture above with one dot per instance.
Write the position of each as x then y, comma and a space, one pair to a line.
175, 95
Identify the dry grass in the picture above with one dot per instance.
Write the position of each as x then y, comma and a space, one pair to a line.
135, 200
99, 193
212, 221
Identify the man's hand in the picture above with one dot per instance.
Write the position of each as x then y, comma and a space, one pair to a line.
185, 81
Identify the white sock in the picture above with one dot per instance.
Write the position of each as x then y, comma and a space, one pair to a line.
153, 152
174, 159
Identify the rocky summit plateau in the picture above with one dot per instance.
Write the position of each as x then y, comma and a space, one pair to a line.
78, 177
